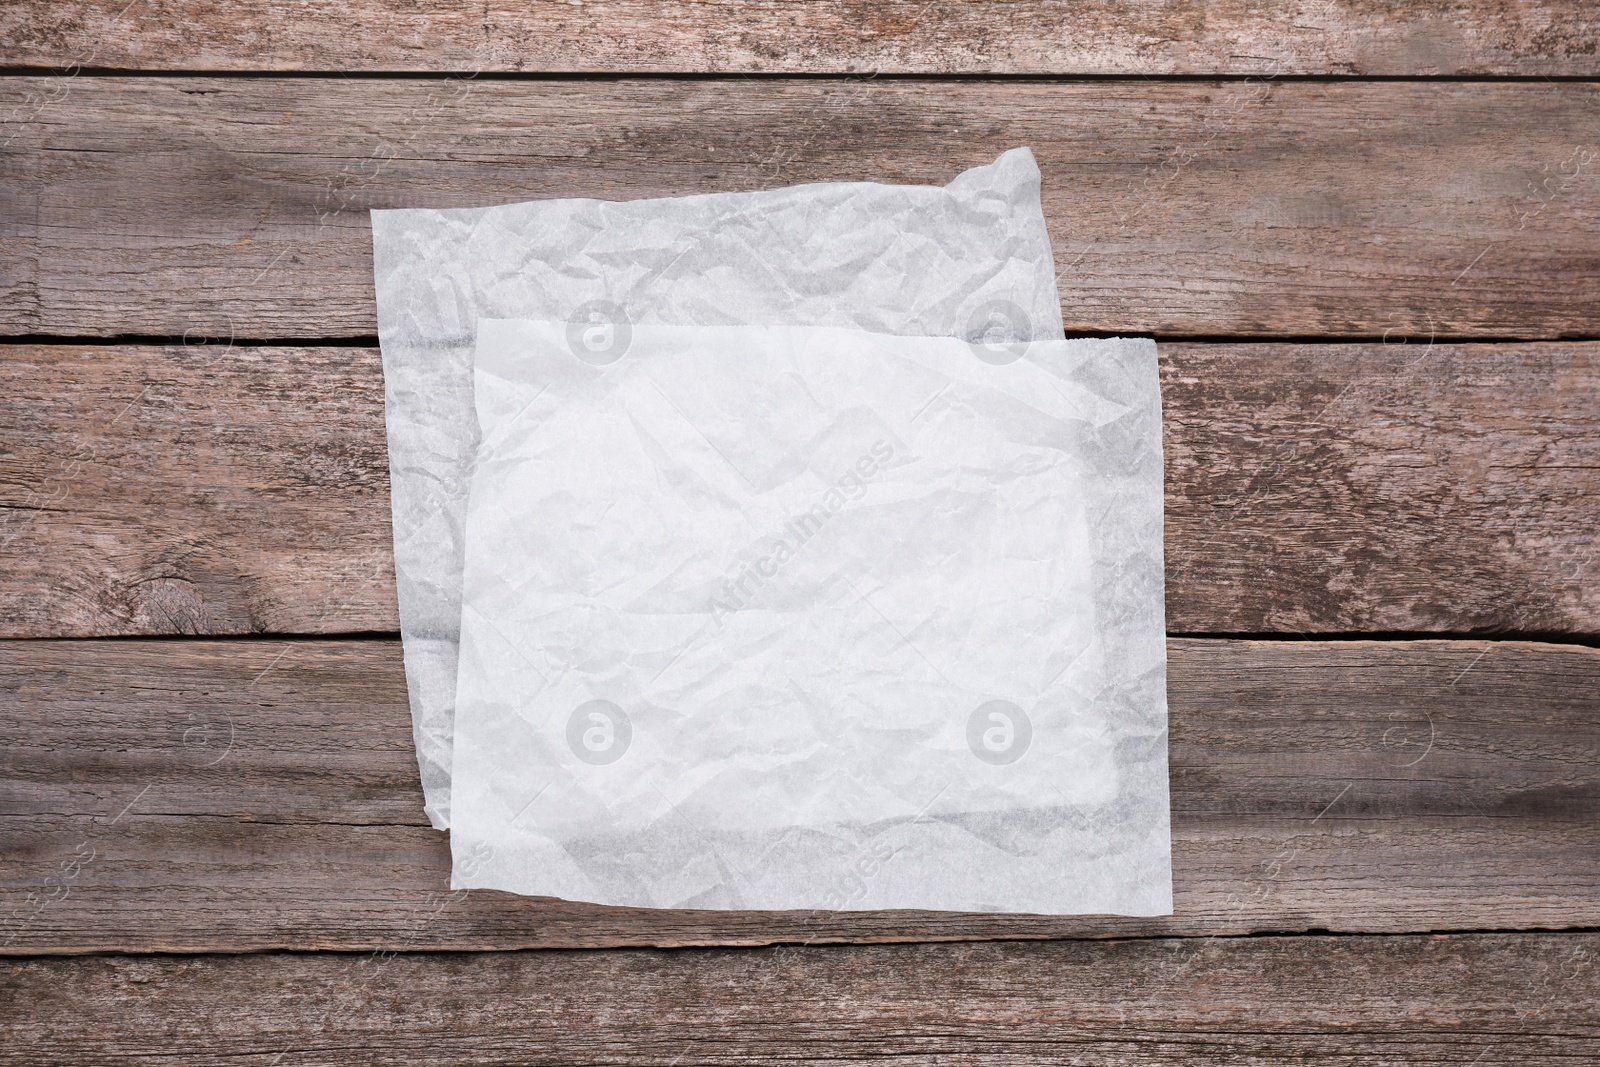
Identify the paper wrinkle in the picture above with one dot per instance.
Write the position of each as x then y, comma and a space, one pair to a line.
740, 605
891, 259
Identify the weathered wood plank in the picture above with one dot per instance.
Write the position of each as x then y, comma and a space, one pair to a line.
182, 796
1331, 488
1551, 37
1525, 999
193, 490
166, 206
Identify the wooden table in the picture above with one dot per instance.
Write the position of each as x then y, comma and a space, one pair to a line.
1367, 238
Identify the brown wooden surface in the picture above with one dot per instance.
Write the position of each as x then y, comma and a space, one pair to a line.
254, 799
215, 206
235, 796
813, 36
1519, 999
209, 489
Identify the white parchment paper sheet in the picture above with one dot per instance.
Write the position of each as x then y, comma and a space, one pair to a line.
801, 617
896, 259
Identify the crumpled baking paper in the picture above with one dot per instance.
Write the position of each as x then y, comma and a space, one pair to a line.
896, 259
813, 618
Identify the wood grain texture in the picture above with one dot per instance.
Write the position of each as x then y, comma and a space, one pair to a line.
1522, 999
180, 796
205, 489
1550, 37
237, 207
